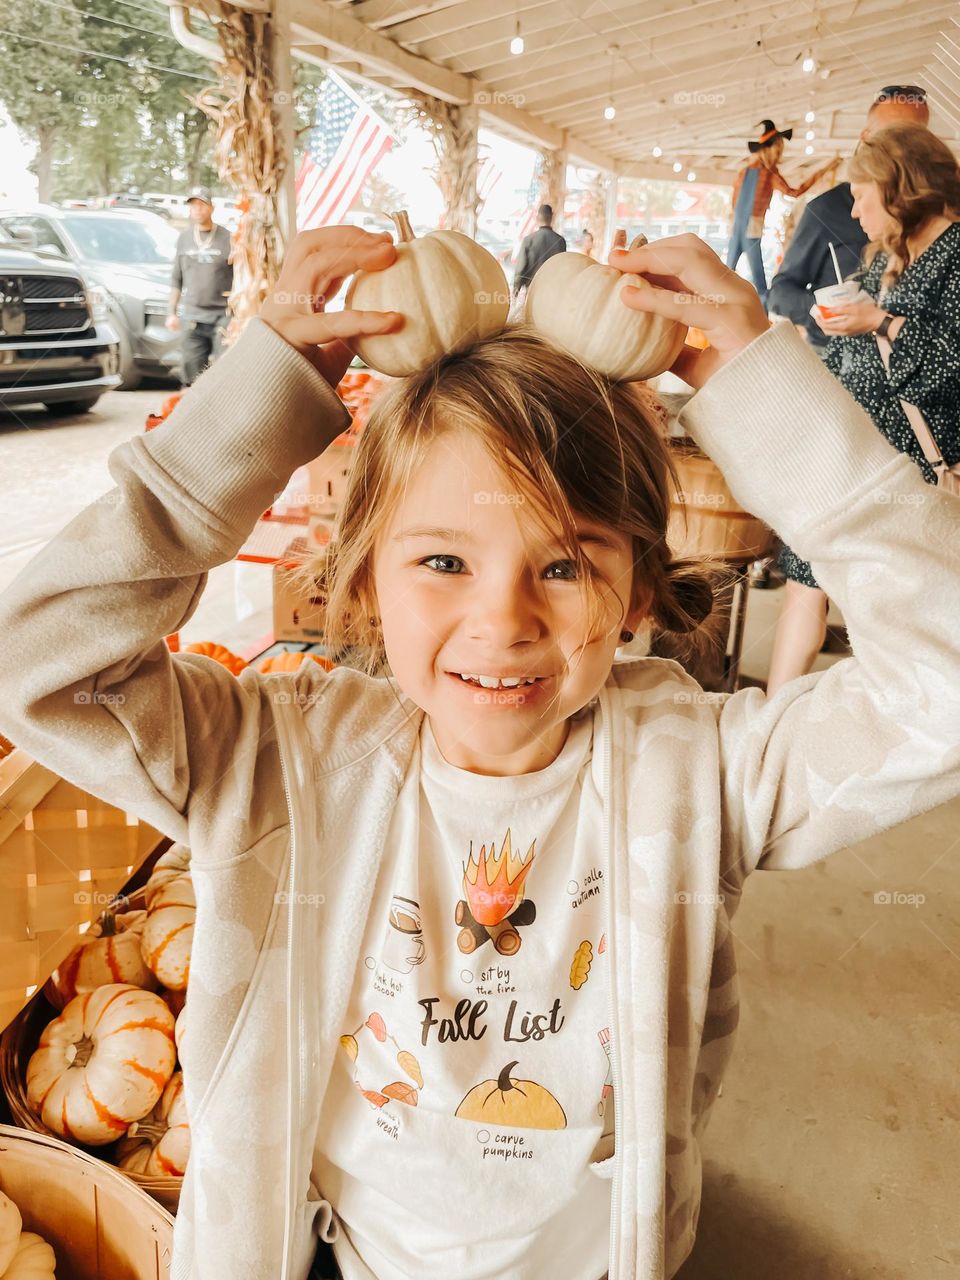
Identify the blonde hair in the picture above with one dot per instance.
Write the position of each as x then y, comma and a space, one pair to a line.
568, 439
918, 178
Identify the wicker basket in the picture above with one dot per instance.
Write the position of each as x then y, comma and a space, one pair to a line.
63, 854
716, 524
18, 1043
101, 1227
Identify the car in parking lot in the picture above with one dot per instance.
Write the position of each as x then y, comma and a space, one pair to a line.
56, 346
126, 257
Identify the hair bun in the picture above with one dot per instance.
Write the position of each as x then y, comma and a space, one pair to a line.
687, 597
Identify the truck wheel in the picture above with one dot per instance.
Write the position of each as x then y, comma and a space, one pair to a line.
63, 407
130, 375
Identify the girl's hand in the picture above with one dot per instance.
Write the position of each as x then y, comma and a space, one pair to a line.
316, 265
693, 287
851, 318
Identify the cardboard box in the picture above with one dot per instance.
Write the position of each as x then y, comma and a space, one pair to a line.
298, 613
327, 475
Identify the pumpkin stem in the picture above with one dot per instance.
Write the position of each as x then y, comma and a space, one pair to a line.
639, 242
108, 923
503, 1081
80, 1052
401, 220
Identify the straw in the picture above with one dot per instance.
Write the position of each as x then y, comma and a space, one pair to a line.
836, 264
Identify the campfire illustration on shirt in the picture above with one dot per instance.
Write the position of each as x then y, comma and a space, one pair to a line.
495, 905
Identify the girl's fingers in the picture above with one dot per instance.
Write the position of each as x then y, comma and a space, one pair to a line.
685, 308
330, 265
326, 326
331, 241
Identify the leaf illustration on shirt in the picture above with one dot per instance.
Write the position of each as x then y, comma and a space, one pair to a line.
408, 1063
362, 1048
582, 960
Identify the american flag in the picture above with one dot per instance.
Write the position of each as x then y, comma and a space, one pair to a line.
347, 141
490, 175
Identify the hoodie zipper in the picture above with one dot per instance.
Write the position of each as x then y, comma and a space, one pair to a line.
294, 1047
614, 1026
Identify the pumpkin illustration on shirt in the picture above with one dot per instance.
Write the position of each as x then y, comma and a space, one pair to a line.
513, 1102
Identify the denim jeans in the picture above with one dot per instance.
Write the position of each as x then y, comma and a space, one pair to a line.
202, 343
739, 244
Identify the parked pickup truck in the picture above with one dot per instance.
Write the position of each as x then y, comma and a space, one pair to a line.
56, 348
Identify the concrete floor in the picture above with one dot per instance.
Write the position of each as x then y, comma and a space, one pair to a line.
833, 1149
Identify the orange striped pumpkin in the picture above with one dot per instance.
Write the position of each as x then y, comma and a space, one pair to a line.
159, 1145
103, 1063
168, 932
110, 952
219, 653
288, 661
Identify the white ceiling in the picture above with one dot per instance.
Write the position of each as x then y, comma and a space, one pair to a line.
693, 78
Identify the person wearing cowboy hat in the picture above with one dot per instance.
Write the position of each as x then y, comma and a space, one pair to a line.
200, 286
752, 193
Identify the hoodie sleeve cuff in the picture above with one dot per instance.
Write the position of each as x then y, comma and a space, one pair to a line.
244, 427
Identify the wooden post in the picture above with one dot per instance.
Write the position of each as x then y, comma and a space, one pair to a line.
613, 193
282, 68
453, 127
553, 184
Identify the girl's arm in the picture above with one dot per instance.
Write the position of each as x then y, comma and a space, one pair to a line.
836, 756
87, 684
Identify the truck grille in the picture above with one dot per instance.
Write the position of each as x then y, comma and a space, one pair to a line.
32, 305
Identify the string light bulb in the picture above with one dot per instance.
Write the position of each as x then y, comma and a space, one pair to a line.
516, 44
808, 66
677, 166
610, 111
810, 117
658, 152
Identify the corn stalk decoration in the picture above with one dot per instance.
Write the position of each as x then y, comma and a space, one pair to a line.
453, 133
246, 152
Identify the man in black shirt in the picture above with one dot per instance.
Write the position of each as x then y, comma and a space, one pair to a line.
200, 286
537, 248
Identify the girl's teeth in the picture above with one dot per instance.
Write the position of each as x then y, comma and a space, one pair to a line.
496, 682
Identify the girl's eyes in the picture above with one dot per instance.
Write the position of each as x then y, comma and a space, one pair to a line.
442, 565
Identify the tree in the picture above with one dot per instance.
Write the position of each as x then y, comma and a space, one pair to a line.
41, 77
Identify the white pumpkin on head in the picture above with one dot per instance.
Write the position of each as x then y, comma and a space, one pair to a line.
450, 291
575, 303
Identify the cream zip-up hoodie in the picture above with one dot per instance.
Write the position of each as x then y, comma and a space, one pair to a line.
283, 785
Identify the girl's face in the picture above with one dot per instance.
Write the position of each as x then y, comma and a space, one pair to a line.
868, 209
489, 593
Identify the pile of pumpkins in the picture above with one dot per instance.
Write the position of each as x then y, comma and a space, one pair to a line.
106, 1067
23, 1254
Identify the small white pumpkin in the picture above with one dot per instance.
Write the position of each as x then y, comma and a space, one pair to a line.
110, 952
159, 1145
171, 864
575, 303
10, 1226
34, 1260
103, 1063
450, 291
167, 938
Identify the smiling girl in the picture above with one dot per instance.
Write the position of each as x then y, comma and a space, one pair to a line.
463, 985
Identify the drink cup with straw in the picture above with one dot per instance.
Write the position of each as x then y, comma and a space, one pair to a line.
836, 295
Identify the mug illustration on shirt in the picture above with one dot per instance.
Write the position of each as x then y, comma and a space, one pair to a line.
403, 944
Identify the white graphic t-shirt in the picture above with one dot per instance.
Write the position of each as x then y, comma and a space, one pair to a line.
471, 1101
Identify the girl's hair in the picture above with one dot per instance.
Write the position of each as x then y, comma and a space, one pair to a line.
569, 441
918, 178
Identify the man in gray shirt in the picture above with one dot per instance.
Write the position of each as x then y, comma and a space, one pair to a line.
200, 286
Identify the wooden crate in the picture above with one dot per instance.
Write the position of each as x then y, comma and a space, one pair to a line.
101, 1226
63, 855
